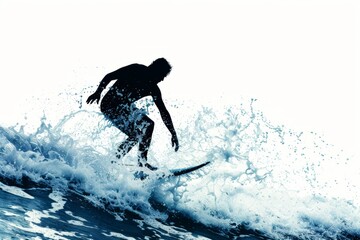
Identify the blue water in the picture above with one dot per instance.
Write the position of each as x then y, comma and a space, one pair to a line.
56, 215
264, 181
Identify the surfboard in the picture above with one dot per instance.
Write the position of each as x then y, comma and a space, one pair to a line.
181, 171
170, 173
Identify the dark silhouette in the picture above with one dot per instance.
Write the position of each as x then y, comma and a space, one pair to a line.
133, 82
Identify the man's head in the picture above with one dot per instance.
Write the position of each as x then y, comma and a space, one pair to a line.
159, 69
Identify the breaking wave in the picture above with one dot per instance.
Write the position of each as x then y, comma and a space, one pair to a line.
262, 177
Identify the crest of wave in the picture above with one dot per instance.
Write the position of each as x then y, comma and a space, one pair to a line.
75, 155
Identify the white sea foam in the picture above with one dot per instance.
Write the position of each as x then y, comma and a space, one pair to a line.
262, 176
15, 190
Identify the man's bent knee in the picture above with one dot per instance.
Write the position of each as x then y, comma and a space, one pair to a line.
146, 124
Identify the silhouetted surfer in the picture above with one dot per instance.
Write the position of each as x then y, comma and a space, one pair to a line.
132, 83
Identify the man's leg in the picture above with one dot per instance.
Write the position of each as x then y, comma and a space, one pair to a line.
126, 146
122, 119
138, 127
145, 128
127, 128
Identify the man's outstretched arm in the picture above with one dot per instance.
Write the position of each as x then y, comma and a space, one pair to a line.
165, 115
118, 74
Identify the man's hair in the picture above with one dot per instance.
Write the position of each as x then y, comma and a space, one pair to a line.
161, 67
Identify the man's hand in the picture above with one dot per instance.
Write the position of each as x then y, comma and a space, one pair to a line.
93, 97
175, 142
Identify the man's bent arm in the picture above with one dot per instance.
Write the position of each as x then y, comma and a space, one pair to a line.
165, 115
107, 79
118, 74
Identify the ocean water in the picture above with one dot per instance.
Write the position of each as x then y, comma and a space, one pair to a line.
265, 181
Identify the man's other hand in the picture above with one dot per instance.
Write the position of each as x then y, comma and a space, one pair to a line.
93, 98
175, 142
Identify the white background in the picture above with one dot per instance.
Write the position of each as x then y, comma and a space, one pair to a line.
300, 59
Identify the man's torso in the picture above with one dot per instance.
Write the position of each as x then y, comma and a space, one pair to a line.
130, 87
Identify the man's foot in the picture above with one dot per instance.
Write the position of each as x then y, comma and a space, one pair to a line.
152, 168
